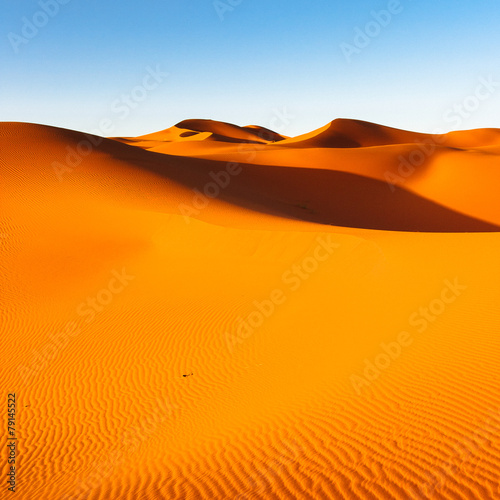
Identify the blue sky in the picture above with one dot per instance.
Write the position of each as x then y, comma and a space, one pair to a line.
288, 65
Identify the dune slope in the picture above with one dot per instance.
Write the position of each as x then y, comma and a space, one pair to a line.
306, 332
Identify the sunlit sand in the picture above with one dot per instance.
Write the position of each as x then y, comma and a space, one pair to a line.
222, 312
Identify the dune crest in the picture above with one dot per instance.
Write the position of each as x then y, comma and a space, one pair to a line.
346, 133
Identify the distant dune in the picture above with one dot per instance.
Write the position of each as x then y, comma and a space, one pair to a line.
210, 130
438, 182
222, 312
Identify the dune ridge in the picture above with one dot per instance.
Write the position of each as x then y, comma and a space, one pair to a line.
441, 169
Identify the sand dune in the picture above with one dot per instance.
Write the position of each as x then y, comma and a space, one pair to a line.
204, 130
444, 169
221, 312
344, 133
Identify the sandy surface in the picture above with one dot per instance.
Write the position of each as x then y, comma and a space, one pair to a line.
220, 312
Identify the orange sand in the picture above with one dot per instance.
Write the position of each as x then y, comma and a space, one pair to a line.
325, 326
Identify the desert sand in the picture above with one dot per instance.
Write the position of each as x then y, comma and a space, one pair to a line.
222, 312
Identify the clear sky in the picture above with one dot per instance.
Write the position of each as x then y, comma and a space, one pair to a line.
133, 67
